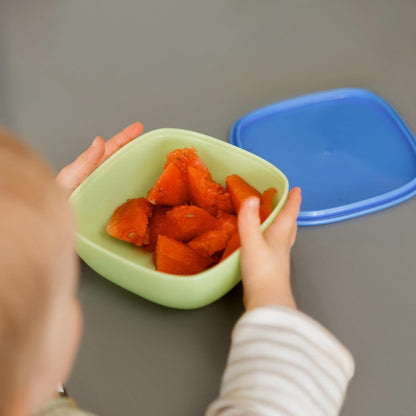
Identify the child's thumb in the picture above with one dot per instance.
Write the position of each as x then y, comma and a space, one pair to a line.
249, 225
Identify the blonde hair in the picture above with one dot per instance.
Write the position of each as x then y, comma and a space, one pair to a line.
30, 209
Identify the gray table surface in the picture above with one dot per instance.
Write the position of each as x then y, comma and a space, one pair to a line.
70, 70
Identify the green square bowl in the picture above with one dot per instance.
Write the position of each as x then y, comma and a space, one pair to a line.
130, 173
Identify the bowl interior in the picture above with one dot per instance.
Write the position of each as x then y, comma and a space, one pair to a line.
133, 170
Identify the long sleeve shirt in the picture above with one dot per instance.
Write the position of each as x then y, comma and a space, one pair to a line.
281, 362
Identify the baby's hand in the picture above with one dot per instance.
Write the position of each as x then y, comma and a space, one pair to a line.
265, 259
71, 176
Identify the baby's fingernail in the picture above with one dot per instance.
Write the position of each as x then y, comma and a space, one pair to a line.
94, 142
253, 203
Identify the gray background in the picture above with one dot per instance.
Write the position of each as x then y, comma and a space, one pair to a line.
70, 70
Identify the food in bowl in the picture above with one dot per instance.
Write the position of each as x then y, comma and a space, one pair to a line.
187, 219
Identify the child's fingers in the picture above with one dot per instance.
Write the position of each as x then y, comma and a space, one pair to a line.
283, 229
72, 175
121, 139
249, 226
292, 206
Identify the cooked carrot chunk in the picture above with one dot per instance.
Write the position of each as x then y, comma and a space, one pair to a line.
172, 256
210, 242
185, 222
227, 222
130, 222
232, 245
170, 189
156, 226
208, 194
266, 203
240, 190
183, 158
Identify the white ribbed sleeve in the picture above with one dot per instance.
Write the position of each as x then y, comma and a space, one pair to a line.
61, 407
282, 362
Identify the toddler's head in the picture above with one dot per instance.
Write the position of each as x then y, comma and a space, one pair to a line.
40, 319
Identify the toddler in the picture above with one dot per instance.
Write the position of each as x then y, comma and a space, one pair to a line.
281, 362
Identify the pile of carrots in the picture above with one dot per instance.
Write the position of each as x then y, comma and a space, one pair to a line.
187, 219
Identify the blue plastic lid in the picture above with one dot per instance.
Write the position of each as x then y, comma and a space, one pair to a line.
348, 149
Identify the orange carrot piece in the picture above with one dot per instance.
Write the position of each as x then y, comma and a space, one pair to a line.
207, 194
227, 222
266, 203
183, 158
240, 190
209, 242
185, 222
129, 222
156, 226
170, 189
172, 256
232, 246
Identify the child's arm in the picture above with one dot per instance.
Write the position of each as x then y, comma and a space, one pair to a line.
61, 407
71, 176
281, 361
